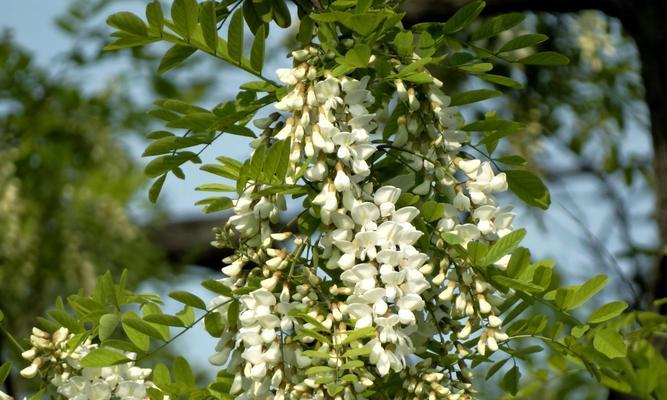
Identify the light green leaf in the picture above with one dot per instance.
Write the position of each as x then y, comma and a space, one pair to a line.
403, 43
589, 289
495, 25
610, 343
319, 370
108, 324
208, 23
503, 246
473, 96
358, 352
235, 36
529, 187
188, 298
103, 358
545, 58
174, 56
164, 319
185, 14
358, 56
182, 372
216, 187
133, 321
257, 50
523, 41
128, 22
432, 210
162, 164
607, 312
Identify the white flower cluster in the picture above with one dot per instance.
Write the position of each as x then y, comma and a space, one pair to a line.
51, 357
387, 273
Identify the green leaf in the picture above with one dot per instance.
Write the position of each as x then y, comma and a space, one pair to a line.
523, 41
156, 188
463, 17
215, 204
160, 165
182, 372
257, 50
164, 319
358, 56
432, 211
589, 289
529, 187
5, 369
319, 369
510, 381
610, 343
491, 125
500, 80
213, 324
208, 23
235, 36
103, 358
544, 58
154, 16
281, 14
108, 324
215, 187
495, 368
169, 143
357, 352
174, 56
188, 298
474, 96
133, 321
368, 332
185, 14
217, 287
403, 43
128, 22
607, 312
2, 315
64, 319
503, 246
495, 25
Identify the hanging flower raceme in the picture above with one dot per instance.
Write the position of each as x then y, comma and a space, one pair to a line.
51, 357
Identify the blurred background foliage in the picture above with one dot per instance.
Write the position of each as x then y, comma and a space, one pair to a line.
72, 195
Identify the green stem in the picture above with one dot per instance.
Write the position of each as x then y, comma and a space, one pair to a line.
12, 339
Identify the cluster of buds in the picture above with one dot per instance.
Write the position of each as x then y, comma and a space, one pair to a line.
49, 353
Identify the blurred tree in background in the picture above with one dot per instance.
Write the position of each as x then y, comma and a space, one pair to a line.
67, 180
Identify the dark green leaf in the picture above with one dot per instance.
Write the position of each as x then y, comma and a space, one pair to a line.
174, 56
463, 17
523, 41
544, 58
156, 188
189, 299
162, 164
500, 80
529, 188
257, 51
217, 287
281, 14
473, 96
495, 368
133, 321
495, 25
510, 381
5, 369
